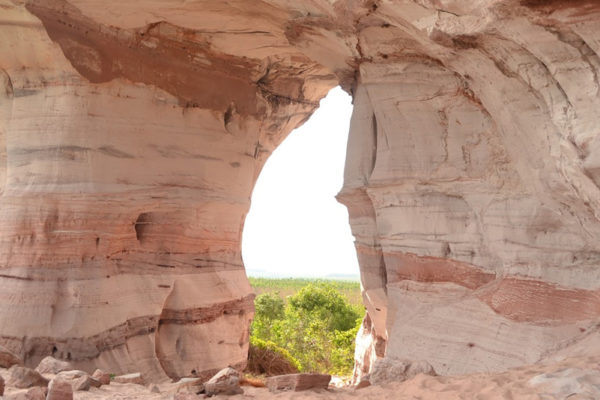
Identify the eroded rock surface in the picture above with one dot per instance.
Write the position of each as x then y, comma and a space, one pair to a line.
131, 136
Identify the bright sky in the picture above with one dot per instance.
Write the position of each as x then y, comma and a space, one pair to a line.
295, 226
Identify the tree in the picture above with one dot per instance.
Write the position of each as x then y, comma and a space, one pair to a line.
317, 327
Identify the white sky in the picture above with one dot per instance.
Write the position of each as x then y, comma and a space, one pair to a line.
295, 226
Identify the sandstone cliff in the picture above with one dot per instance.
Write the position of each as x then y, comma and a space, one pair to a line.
131, 135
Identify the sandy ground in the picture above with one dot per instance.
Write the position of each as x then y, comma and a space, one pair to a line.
572, 379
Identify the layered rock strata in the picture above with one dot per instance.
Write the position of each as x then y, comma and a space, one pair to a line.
132, 135
129, 158
470, 183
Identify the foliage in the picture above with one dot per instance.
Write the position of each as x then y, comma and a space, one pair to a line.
269, 308
317, 326
289, 286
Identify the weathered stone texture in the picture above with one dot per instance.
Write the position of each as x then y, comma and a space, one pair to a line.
131, 136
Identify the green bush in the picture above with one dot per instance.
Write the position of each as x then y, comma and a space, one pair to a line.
317, 327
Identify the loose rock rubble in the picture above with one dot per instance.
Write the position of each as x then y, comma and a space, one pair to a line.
226, 381
388, 370
136, 378
101, 376
8, 359
59, 389
23, 377
51, 365
298, 382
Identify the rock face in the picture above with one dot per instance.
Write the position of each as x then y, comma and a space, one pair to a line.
131, 136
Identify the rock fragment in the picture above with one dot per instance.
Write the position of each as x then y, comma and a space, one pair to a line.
79, 380
136, 378
34, 393
1, 385
388, 370
226, 381
298, 382
101, 376
192, 385
23, 377
51, 365
8, 358
59, 389
185, 396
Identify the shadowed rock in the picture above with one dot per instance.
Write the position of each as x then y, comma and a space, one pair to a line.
8, 359
23, 377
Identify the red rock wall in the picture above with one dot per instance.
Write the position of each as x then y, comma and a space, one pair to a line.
132, 135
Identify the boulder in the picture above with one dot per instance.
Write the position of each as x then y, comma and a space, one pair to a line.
386, 370
79, 380
51, 365
59, 389
8, 359
192, 385
101, 376
136, 378
226, 381
298, 382
34, 393
23, 377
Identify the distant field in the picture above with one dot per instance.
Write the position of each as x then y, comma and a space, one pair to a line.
289, 286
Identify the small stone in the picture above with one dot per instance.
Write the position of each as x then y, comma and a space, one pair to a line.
298, 382
130, 378
1, 385
362, 384
192, 385
154, 389
101, 376
388, 370
51, 365
8, 359
226, 381
35, 393
185, 396
23, 377
59, 389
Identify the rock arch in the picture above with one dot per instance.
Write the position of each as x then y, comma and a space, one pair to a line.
137, 132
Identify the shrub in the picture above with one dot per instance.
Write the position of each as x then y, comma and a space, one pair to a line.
317, 327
